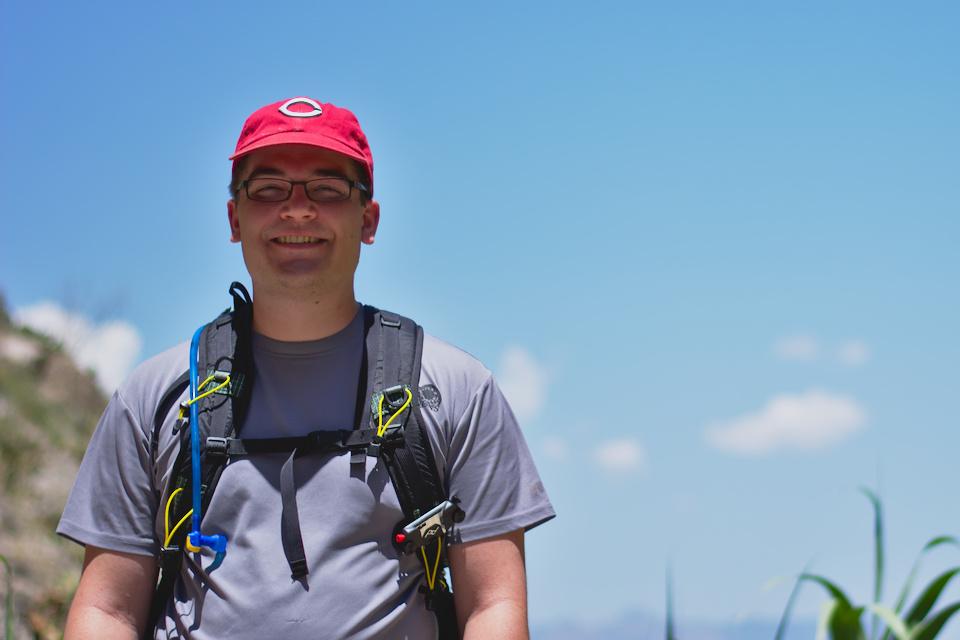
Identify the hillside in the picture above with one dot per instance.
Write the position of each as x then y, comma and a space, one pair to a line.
48, 409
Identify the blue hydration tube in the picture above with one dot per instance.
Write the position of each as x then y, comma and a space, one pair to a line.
217, 543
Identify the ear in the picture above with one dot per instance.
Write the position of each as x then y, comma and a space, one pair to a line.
234, 221
371, 220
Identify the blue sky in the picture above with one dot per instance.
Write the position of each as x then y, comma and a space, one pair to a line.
649, 220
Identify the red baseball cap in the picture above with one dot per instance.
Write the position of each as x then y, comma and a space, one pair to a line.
306, 121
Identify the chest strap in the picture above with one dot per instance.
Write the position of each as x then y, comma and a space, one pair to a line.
355, 441
314, 442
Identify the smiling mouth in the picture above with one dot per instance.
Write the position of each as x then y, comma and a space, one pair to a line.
298, 240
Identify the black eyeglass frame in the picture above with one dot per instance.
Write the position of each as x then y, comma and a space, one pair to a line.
351, 184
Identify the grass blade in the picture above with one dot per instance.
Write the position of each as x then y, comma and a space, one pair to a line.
843, 619
788, 610
934, 543
928, 598
823, 622
8, 606
908, 585
877, 552
835, 591
929, 629
895, 625
845, 624
670, 633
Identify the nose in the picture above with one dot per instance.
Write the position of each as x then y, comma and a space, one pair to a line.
298, 206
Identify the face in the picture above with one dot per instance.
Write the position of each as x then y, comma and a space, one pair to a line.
272, 233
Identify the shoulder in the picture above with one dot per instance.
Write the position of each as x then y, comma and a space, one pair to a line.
450, 380
454, 368
145, 386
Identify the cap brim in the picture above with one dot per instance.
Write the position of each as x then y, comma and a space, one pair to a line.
301, 137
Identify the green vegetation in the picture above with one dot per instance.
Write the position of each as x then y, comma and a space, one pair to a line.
8, 600
842, 620
48, 409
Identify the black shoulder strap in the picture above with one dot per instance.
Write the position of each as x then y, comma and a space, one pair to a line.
412, 467
225, 345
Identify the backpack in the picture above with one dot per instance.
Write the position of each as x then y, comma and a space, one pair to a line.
387, 424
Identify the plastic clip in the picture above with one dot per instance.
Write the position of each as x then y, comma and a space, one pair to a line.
394, 400
183, 419
216, 446
169, 554
437, 599
395, 397
409, 538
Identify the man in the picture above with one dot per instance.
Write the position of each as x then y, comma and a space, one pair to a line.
301, 206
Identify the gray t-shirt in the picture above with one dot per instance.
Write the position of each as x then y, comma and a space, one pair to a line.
358, 585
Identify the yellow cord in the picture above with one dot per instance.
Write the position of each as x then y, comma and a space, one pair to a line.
382, 428
212, 391
432, 576
205, 394
168, 534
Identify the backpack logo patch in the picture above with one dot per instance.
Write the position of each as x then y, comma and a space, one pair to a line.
430, 397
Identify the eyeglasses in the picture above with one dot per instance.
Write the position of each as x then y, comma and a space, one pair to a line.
324, 190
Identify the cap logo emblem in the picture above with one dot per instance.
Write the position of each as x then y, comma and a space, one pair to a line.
285, 108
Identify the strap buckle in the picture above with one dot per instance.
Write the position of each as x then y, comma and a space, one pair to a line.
394, 413
170, 558
183, 417
395, 397
216, 446
423, 530
437, 599
219, 377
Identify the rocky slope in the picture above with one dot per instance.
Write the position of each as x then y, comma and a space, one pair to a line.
48, 409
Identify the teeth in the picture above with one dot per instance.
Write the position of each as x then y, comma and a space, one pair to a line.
297, 239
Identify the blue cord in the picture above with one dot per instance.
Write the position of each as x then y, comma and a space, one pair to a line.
218, 543
195, 429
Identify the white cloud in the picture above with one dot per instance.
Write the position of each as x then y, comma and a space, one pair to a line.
806, 421
800, 347
109, 349
555, 448
524, 383
853, 353
622, 455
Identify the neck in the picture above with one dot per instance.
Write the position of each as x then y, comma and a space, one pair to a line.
296, 318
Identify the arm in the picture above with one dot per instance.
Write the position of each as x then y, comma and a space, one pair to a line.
490, 587
113, 597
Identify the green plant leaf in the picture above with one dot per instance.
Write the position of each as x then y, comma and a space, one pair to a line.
928, 598
832, 588
845, 624
877, 551
788, 610
843, 619
939, 540
8, 607
823, 622
929, 628
908, 585
895, 625
933, 544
